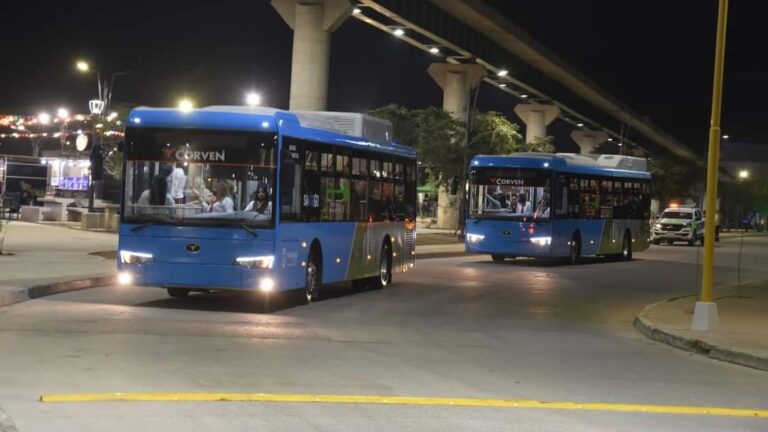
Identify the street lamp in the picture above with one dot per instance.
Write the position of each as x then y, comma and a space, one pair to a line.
253, 99
82, 66
62, 113
44, 118
186, 105
743, 174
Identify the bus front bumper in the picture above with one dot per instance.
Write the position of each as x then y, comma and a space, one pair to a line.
197, 276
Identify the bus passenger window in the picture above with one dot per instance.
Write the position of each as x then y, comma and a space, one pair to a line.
312, 161
359, 166
342, 164
326, 162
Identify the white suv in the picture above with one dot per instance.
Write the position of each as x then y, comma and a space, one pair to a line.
679, 224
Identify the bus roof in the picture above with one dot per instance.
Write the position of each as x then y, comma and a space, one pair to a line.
258, 119
579, 164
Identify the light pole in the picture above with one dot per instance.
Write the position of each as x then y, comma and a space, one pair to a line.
705, 317
97, 108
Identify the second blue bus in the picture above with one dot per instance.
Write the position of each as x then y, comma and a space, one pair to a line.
558, 206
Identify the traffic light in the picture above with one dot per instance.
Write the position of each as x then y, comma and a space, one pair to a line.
97, 163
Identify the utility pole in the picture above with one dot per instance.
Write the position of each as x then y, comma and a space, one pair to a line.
705, 316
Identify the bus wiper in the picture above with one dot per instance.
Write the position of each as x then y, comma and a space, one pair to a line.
249, 229
138, 228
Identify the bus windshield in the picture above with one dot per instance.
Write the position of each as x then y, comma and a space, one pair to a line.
509, 193
199, 177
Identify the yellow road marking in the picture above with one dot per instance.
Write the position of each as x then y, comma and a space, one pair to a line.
399, 400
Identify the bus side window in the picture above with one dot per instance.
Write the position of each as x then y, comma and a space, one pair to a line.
291, 174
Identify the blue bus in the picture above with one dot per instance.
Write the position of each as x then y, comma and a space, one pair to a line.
234, 198
558, 206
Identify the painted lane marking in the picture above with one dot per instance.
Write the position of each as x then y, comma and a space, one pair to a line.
400, 400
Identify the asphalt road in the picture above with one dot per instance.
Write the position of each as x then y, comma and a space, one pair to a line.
450, 328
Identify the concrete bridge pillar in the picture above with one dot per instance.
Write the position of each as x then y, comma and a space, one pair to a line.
312, 22
456, 80
536, 118
588, 140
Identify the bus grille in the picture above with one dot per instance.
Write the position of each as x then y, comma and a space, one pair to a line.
410, 246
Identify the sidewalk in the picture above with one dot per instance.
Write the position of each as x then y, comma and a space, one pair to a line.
743, 334
43, 256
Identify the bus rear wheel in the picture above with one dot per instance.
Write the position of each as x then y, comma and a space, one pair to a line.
626, 248
384, 279
178, 292
498, 258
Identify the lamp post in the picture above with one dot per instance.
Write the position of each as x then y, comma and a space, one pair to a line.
97, 107
705, 317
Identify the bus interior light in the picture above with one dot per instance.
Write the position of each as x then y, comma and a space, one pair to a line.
541, 241
258, 262
138, 258
475, 238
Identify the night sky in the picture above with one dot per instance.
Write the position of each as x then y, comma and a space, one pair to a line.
655, 56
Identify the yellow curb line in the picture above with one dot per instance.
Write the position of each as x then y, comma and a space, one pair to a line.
398, 400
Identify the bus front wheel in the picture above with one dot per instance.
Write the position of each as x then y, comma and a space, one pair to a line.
498, 258
574, 253
178, 292
313, 278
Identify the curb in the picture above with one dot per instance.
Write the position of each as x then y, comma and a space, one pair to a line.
698, 346
24, 294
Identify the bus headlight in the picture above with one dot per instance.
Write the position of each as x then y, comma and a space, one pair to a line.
138, 258
124, 278
266, 284
259, 262
475, 238
541, 241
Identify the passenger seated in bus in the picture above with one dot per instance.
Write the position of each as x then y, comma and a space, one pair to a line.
513, 203
198, 193
221, 202
542, 208
523, 205
492, 203
156, 195
260, 202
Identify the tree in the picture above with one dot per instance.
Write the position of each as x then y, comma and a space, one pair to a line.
492, 133
540, 145
439, 139
673, 177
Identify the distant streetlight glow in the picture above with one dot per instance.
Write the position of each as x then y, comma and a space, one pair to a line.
185, 105
62, 113
82, 66
44, 118
726, 136
743, 174
610, 139
524, 96
434, 50
356, 11
502, 85
502, 73
580, 124
398, 32
253, 99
